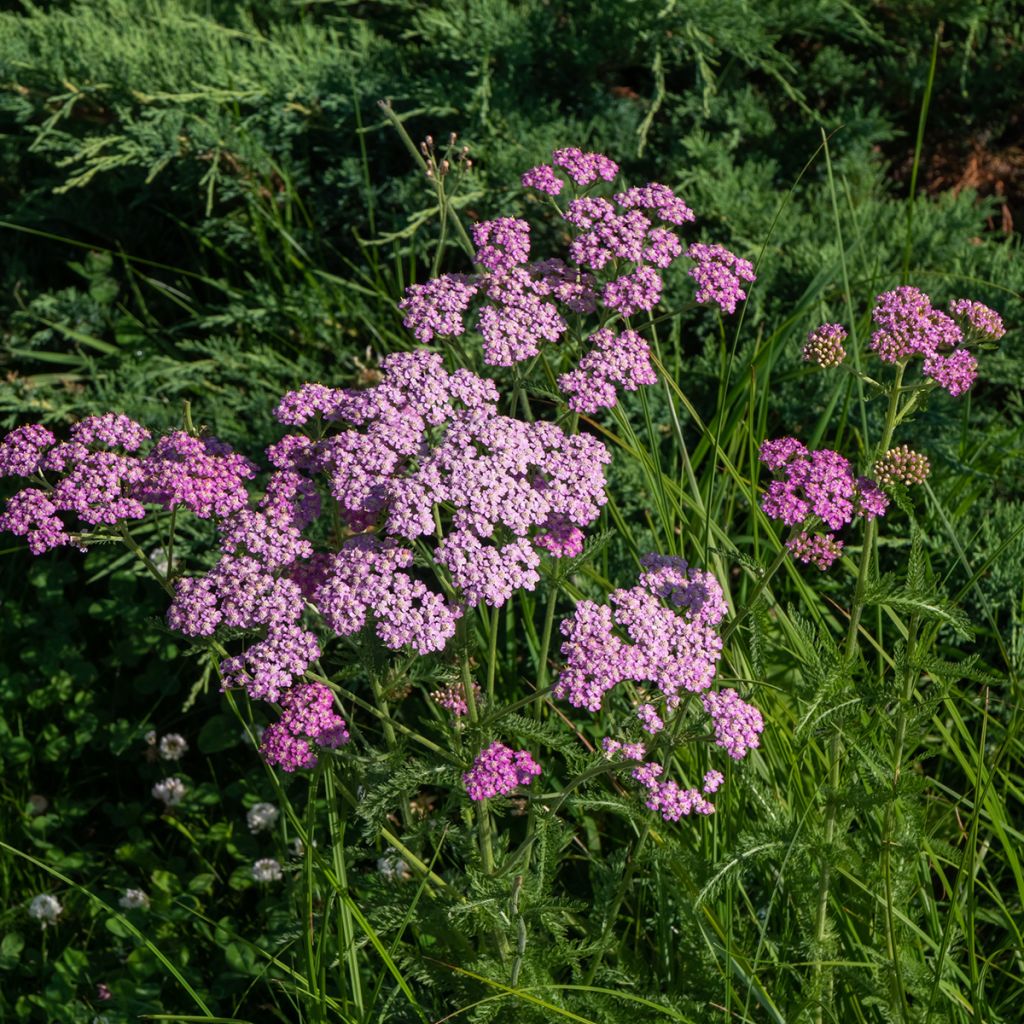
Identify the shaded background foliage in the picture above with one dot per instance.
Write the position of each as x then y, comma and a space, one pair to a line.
202, 202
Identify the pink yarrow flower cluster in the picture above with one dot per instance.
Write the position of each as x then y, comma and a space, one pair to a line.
422, 451
720, 275
816, 486
98, 479
908, 325
825, 345
662, 633
619, 247
391, 458
622, 360
498, 771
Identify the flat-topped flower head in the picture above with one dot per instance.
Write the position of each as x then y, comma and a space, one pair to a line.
667, 797
977, 319
820, 549
622, 360
816, 483
113, 430
498, 771
584, 168
438, 307
201, 474
908, 326
502, 244
720, 275
308, 720
657, 199
32, 515
543, 179
662, 631
308, 402
738, 725
22, 450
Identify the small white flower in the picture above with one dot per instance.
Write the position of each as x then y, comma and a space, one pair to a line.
133, 899
45, 909
262, 817
170, 791
150, 738
266, 870
37, 804
158, 556
173, 747
393, 869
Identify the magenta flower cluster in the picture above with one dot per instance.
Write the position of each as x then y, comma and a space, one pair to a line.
623, 360
662, 634
816, 487
618, 249
498, 770
720, 275
907, 325
96, 479
422, 462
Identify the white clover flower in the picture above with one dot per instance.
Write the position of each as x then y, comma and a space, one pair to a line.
158, 556
393, 869
37, 804
45, 909
170, 791
266, 870
133, 899
150, 738
173, 747
262, 817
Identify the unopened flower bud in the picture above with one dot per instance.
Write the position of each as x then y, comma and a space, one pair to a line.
825, 345
902, 465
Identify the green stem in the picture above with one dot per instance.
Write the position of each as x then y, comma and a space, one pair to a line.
906, 696
835, 744
763, 582
492, 657
473, 714
133, 546
545, 646
483, 813
385, 712
346, 931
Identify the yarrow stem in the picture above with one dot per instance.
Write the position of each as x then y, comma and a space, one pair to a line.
483, 818
835, 743
762, 583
